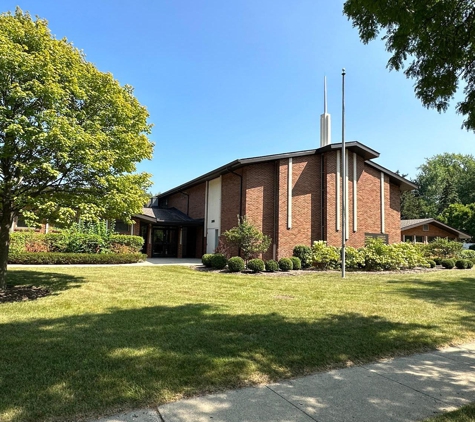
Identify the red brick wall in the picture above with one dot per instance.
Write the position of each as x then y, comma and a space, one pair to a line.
196, 198
230, 199
259, 199
306, 203
368, 203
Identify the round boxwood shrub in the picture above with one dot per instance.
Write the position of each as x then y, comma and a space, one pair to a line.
272, 266
235, 264
304, 253
469, 264
431, 262
461, 264
218, 261
285, 264
296, 263
206, 259
448, 263
256, 265
438, 261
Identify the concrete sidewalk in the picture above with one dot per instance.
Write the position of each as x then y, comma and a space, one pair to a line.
403, 389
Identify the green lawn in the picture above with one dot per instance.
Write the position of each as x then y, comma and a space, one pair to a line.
123, 337
464, 414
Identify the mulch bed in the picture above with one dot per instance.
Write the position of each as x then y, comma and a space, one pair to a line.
22, 294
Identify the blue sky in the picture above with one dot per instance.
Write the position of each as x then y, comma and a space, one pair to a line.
232, 79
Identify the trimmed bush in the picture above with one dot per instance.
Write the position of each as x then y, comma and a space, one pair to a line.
438, 261
296, 263
469, 264
272, 266
304, 253
448, 263
467, 254
51, 258
431, 262
206, 259
133, 243
462, 264
218, 261
325, 257
256, 265
235, 264
285, 264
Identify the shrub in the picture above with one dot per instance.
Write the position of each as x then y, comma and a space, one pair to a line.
51, 258
438, 261
235, 264
285, 264
448, 263
248, 238
218, 261
206, 259
296, 263
469, 264
272, 265
431, 263
462, 264
443, 248
133, 243
256, 265
467, 254
325, 257
354, 258
304, 253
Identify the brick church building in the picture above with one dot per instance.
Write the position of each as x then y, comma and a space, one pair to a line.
295, 198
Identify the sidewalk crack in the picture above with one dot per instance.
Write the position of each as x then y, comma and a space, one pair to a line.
292, 404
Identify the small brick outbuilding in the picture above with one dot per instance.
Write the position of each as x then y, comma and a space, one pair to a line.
424, 230
295, 198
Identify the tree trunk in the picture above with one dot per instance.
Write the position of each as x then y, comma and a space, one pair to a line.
5, 225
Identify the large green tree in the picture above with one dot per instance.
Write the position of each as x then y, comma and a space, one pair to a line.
432, 39
70, 135
446, 179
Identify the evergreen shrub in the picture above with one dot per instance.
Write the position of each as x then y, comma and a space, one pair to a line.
285, 264
218, 261
448, 263
272, 265
462, 264
206, 259
235, 264
296, 263
304, 253
256, 265
31, 258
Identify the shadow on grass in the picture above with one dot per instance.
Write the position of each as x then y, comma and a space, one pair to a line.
459, 293
76, 365
49, 280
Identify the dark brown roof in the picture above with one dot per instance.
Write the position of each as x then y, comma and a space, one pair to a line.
166, 216
410, 224
354, 146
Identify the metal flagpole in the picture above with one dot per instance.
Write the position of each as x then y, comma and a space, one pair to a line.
343, 173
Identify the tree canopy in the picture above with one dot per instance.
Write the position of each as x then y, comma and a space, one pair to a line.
433, 40
70, 135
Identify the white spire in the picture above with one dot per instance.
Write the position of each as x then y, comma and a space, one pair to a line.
325, 119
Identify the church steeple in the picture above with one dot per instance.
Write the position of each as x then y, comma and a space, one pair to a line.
325, 119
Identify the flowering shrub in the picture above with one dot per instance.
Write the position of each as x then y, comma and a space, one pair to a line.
325, 257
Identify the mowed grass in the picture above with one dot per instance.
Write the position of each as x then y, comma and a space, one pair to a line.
112, 338
464, 414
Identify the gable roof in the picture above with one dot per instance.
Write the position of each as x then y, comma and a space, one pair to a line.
354, 146
410, 224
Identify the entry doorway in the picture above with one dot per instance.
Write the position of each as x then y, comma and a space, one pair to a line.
164, 242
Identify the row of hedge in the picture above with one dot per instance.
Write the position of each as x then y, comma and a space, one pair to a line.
256, 265
51, 258
377, 256
75, 241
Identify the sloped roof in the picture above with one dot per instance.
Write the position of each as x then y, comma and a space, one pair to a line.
166, 216
354, 146
410, 224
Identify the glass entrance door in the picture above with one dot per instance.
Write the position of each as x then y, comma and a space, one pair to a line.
165, 242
